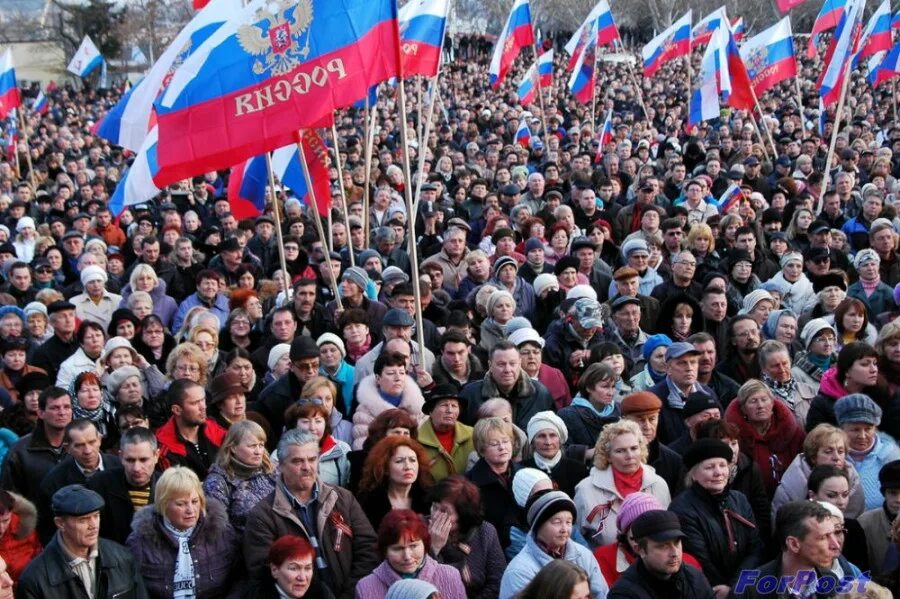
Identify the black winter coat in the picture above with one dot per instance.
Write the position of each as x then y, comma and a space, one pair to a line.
702, 519
748, 480
49, 576
118, 511
265, 589
585, 425
671, 422
638, 583
668, 465
565, 475
497, 500
527, 398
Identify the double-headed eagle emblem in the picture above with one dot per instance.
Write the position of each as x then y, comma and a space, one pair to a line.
277, 36
757, 60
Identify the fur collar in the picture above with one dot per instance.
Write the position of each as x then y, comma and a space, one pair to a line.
149, 526
368, 395
27, 514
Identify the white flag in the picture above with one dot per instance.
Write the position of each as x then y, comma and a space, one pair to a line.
86, 59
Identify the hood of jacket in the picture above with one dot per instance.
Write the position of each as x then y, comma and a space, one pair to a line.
367, 395
830, 387
26, 512
779, 435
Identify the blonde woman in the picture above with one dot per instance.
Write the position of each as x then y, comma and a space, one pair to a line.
207, 339
187, 361
620, 469
144, 278
243, 473
141, 305
702, 243
184, 542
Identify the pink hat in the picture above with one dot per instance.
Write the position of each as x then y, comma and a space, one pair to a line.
633, 506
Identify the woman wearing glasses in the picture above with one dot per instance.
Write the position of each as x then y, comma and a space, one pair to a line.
187, 361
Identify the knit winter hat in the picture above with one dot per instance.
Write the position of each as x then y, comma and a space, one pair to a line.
516, 323
520, 336
634, 245
115, 343
504, 261
864, 257
393, 275
533, 244
812, 328
276, 353
357, 276
544, 420
545, 281
93, 273
115, 380
411, 588
545, 505
654, 341
334, 340
791, 257
633, 506
496, 297
524, 481
580, 291
753, 298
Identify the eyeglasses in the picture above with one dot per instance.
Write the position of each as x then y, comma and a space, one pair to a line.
312, 365
690, 263
187, 369
825, 339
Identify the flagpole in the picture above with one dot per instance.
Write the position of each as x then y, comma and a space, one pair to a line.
340, 170
690, 88
758, 134
370, 142
761, 116
278, 233
540, 92
834, 132
22, 124
894, 96
630, 67
424, 141
593, 94
314, 206
800, 102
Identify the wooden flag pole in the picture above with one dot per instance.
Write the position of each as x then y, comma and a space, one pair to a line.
634, 79
758, 134
316, 217
22, 128
278, 233
423, 143
834, 133
761, 116
340, 170
593, 94
800, 103
411, 220
370, 142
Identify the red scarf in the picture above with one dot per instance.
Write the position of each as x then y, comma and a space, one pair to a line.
355, 352
446, 439
626, 484
327, 443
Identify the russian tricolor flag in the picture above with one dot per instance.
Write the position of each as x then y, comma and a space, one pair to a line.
841, 50
581, 82
769, 56
137, 184
887, 69
604, 137
704, 105
517, 34
543, 71
247, 188
703, 31
895, 21
877, 35
828, 18
523, 133
286, 165
422, 26
731, 198
737, 29
607, 32
739, 93
671, 43
40, 106
129, 121
10, 98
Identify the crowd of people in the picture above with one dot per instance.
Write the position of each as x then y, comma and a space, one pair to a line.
621, 391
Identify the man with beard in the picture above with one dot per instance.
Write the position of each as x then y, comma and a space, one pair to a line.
741, 347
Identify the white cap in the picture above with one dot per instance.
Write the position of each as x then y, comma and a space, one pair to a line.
520, 336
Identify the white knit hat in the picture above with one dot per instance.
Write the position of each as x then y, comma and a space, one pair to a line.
411, 588
276, 353
580, 291
813, 328
25, 221
523, 483
545, 281
35, 307
334, 340
544, 420
753, 298
520, 336
93, 273
115, 343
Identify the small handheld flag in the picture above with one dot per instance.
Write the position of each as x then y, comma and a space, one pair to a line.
671, 43
10, 97
247, 188
603, 137
542, 71
523, 134
40, 106
730, 199
86, 59
517, 33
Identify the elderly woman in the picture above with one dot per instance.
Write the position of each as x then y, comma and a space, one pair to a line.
831, 289
870, 289
119, 353
654, 363
292, 567
242, 474
154, 342
719, 525
395, 477
741, 280
769, 432
859, 417
227, 400
184, 546
144, 278
781, 325
187, 361
89, 403
389, 387
551, 515
461, 538
500, 309
493, 474
238, 332
353, 325
620, 469
207, 339
547, 435
819, 340
312, 417
778, 375
404, 542
799, 294
333, 365
37, 321
825, 445
321, 390
140, 304
90, 337
478, 271
888, 347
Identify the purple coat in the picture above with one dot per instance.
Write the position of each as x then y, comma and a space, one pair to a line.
445, 578
164, 306
238, 495
215, 549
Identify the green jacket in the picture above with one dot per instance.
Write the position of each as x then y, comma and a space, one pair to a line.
444, 464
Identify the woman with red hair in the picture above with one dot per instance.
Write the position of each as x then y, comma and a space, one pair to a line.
91, 403
404, 541
292, 568
248, 301
395, 476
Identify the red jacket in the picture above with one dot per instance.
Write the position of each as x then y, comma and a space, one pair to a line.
19, 545
171, 448
614, 562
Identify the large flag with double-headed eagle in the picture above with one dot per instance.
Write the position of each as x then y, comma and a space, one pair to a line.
703, 31
422, 26
10, 97
129, 121
607, 32
671, 43
769, 56
280, 66
517, 33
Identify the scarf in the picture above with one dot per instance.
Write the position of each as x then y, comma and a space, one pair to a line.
99, 415
859, 456
870, 286
243, 471
787, 392
394, 400
545, 464
656, 377
355, 352
183, 586
823, 363
636, 217
626, 484
584, 403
